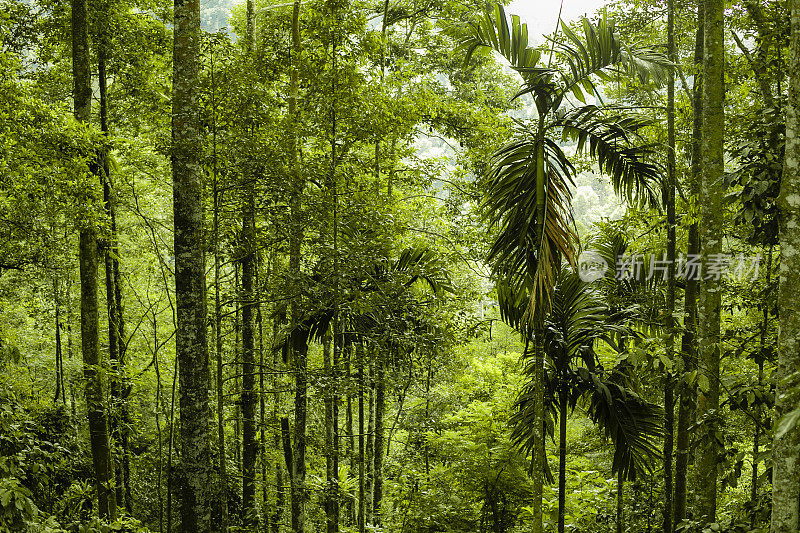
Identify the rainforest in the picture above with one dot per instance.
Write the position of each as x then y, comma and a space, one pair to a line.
407, 266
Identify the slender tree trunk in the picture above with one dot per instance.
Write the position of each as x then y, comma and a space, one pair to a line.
711, 238
237, 365
190, 338
538, 433
333, 526
686, 411
370, 445
262, 407
248, 397
562, 454
170, 446
537, 320
786, 444
249, 446
620, 501
361, 496
351, 439
758, 408
160, 497
118, 412
380, 409
223, 464
299, 345
280, 493
288, 458
330, 517
90, 340
60, 392
300, 350
669, 349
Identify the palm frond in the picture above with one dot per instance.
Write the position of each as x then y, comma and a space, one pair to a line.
600, 51
633, 424
510, 204
492, 30
609, 140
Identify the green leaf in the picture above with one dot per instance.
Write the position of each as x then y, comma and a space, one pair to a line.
787, 423
702, 382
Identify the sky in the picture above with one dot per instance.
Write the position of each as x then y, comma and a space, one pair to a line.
541, 15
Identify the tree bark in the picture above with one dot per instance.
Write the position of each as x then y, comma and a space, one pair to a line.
90, 340
686, 410
786, 444
711, 229
190, 337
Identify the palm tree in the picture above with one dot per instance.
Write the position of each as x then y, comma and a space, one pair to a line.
577, 321
528, 187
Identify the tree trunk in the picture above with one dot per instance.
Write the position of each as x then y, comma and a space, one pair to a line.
348, 423
223, 465
370, 446
669, 349
119, 419
620, 501
562, 454
380, 409
686, 410
361, 496
249, 445
330, 475
237, 365
786, 444
248, 397
711, 238
538, 433
262, 406
280, 493
90, 340
190, 338
299, 343
60, 392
